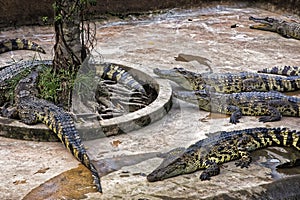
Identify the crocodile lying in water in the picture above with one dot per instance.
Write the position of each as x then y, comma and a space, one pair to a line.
230, 82
31, 110
209, 153
284, 28
273, 104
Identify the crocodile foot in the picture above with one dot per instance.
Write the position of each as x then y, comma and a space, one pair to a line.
244, 162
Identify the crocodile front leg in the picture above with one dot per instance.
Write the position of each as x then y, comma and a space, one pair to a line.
243, 145
212, 169
9, 111
235, 112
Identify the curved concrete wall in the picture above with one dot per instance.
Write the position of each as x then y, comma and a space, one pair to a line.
17, 12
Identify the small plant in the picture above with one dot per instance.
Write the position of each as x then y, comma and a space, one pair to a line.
45, 19
49, 85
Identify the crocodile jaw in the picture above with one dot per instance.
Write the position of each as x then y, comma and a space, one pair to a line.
267, 24
265, 27
175, 168
175, 76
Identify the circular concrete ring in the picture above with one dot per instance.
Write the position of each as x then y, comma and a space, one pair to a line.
97, 129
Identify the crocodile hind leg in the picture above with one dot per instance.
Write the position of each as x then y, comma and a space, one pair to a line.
243, 145
275, 115
212, 169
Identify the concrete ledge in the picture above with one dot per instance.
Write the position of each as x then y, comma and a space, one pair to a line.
96, 129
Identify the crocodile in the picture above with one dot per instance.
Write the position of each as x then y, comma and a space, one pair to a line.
117, 73
284, 28
224, 146
31, 110
230, 82
272, 105
19, 44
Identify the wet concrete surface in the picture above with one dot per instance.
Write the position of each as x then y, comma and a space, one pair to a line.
151, 43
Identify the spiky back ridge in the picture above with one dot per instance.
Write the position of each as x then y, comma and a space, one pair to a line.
282, 70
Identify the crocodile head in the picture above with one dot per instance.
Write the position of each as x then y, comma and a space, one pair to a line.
170, 169
181, 76
267, 23
184, 162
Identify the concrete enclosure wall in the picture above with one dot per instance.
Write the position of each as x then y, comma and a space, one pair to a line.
31, 12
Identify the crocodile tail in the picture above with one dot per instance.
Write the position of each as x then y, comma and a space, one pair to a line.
19, 44
62, 124
117, 73
283, 70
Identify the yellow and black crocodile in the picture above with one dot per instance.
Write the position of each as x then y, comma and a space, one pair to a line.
209, 153
31, 110
284, 28
117, 73
230, 82
270, 105
19, 44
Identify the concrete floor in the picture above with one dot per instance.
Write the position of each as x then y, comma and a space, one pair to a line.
154, 43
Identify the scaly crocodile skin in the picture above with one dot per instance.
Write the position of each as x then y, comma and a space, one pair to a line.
209, 153
282, 70
274, 104
230, 82
284, 28
117, 73
32, 110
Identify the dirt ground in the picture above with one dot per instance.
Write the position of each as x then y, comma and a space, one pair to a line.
150, 43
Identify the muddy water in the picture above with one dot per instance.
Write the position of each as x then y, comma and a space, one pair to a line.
152, 42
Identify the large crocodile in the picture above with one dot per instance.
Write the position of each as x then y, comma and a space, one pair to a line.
284, 28
230, 82
19, 44
32, 110
209, 153
270, 104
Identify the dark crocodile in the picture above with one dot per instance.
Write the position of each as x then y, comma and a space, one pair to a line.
209, 153
31, 110
19, 44
284, 28
272, 105
230, 82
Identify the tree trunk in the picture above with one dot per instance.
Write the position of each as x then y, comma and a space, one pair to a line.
69, 48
